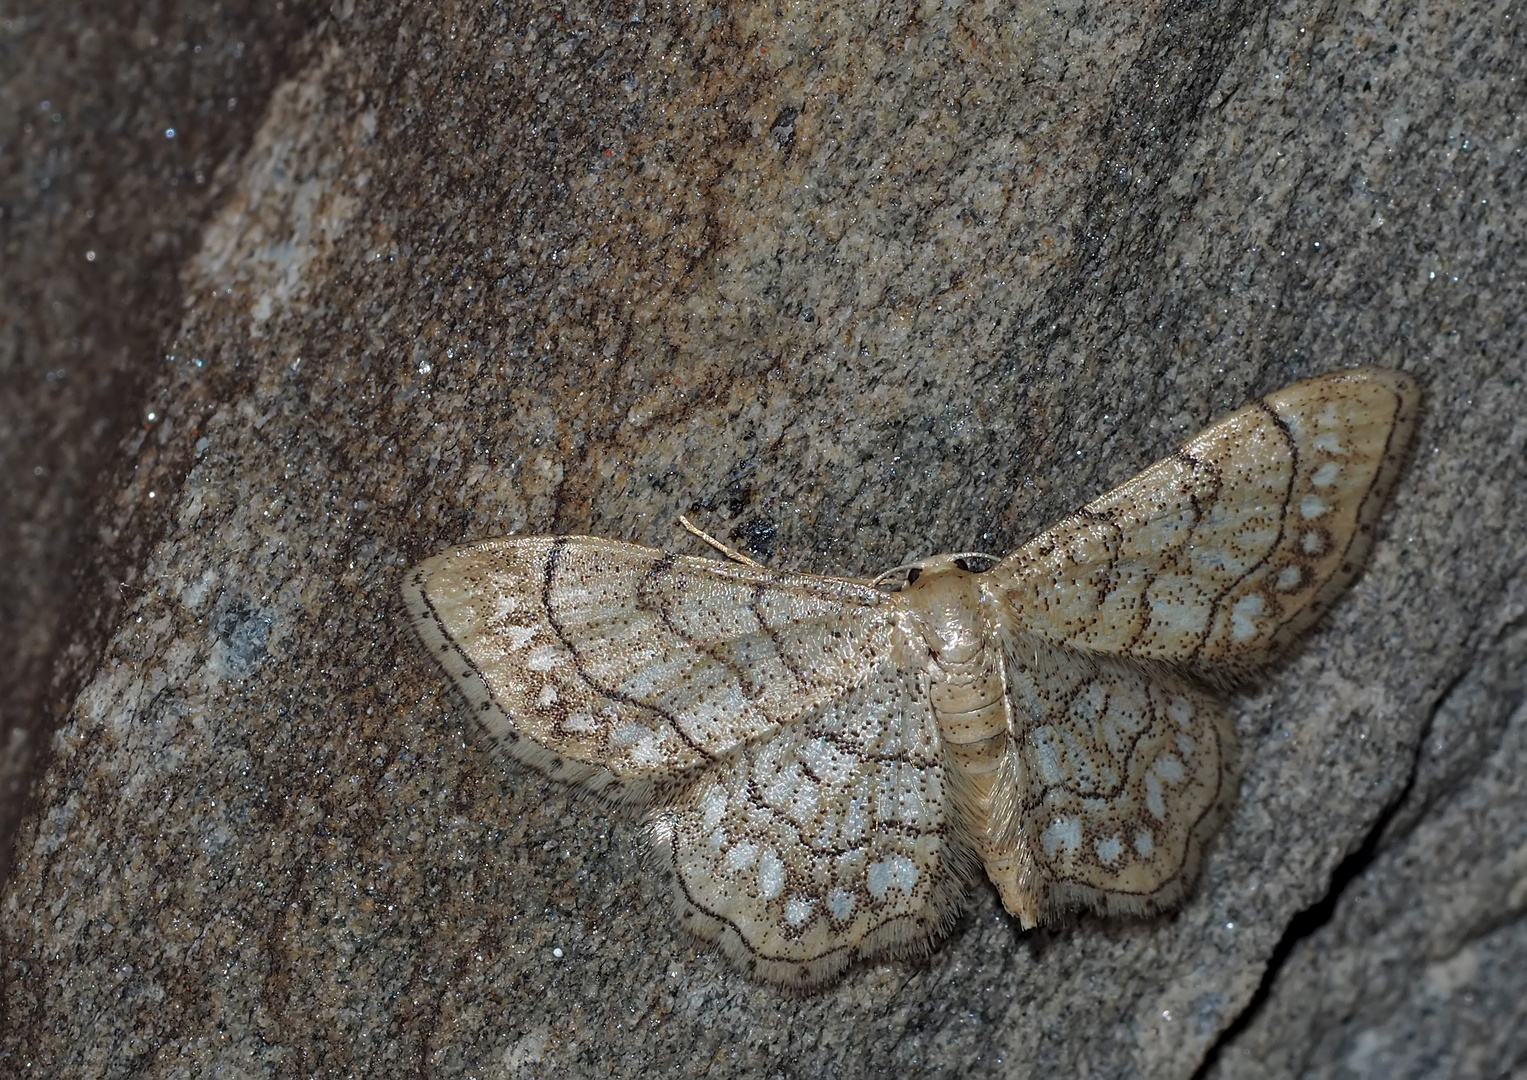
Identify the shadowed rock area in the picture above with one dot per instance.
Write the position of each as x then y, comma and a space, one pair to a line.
847, 285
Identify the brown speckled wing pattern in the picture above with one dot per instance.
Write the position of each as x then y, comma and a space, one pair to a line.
827, 762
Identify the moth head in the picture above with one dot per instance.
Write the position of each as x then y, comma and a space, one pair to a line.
943, 602
900, 578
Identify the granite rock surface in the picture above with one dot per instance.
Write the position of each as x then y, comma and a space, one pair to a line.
113, 119
847, 285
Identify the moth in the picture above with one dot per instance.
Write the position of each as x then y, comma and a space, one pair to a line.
829, 762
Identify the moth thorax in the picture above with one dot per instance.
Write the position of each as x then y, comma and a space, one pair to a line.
946, 602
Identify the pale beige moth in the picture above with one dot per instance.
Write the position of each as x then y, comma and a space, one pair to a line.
827, 762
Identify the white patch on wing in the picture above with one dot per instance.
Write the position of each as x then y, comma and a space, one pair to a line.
1241, 615
771, 874
544, 657
1289, 578
1109, 848
516, 637
1062, 834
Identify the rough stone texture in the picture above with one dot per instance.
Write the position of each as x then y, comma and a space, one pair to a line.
848, 285
99, 208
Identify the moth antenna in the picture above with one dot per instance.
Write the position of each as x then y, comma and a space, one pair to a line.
730, 553
878, 581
